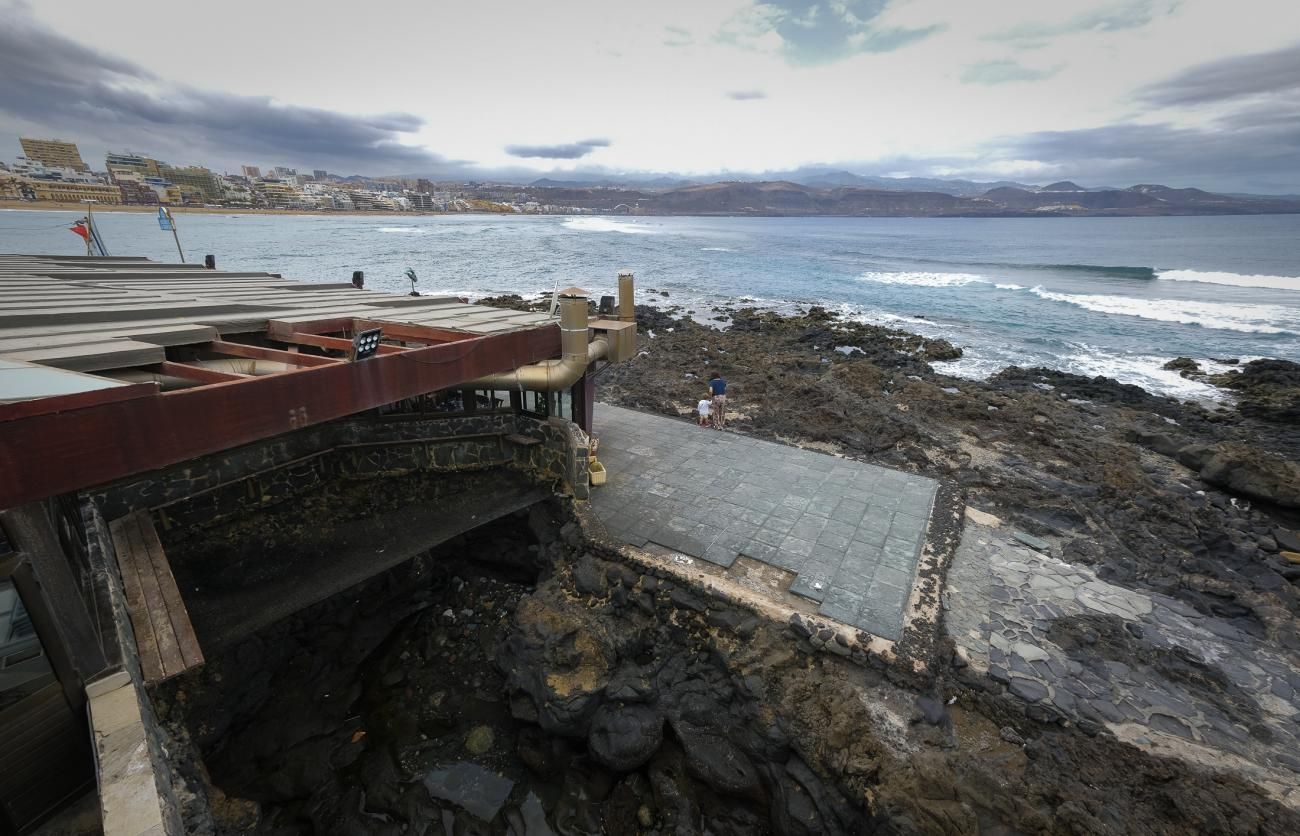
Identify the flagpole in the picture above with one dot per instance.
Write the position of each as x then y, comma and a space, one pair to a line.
175, 236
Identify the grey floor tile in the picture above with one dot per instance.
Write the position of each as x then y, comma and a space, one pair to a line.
797, 546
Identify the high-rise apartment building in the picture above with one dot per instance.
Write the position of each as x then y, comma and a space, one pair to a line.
55, 153
131, 164
320, 173
252, 172
194, 178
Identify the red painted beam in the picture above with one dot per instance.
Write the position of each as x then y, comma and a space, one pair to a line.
198, 373
77, 400
337, 343
257, 352
414, 333
45, 455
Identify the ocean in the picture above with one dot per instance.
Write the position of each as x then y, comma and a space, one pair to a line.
1096, 296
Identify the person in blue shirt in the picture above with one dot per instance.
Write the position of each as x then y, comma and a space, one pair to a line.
718, 386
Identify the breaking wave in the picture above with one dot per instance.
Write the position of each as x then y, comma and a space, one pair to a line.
1232, 279
923, 279
608, 225
1253, 319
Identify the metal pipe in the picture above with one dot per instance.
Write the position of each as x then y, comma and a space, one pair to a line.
233, 365
626, 292
244, 365
554, 375
166, 381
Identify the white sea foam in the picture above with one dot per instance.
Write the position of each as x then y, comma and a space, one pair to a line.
1232, 279
1146, 371
1009, 286
923, 279
716, 249
1253, 319
398, 229
608, 225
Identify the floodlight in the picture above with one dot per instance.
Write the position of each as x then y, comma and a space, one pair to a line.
366, 344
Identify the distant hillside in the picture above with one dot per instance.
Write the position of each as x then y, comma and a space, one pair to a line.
784, 197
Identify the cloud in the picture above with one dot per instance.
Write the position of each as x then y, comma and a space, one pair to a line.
62, 86
1113, 17
1001, 72
1229, 78
1252, 150
676, 36
565, 151
813, 32
745, 95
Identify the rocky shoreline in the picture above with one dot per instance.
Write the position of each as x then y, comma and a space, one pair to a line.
530, 681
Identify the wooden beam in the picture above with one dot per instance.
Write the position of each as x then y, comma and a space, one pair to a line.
198, 373
410, 331
50, 454
336, 343
278, 329
257, 352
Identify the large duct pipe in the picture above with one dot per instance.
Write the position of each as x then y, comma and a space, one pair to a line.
555, 375
231, 365
626, 292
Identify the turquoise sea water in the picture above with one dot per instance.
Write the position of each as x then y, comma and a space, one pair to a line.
1112, 296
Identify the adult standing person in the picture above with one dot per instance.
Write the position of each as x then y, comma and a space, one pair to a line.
718, 386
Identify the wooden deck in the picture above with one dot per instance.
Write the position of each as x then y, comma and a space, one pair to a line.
164, 636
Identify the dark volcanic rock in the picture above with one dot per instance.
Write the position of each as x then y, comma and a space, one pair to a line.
1266, 389
1252, 472
625, 738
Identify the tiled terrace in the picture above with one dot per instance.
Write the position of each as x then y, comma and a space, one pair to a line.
851, 533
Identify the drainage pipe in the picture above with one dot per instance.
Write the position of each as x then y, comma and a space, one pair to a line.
554, 375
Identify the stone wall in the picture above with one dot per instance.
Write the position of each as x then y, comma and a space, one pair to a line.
231, 483
234, 482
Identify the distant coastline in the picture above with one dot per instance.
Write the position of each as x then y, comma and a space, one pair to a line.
52, 206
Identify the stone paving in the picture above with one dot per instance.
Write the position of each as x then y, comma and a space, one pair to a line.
1153, 670
852, 533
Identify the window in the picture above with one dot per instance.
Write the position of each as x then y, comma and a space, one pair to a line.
24, 667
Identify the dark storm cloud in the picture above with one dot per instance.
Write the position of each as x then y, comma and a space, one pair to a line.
1229, 78
1114, 17
564, 151
62, 86
1257, 150
822, 31
1002, 72
745, 95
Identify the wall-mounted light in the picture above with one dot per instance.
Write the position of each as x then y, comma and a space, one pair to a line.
366, 344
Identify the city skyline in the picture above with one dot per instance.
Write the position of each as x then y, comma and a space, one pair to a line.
1185, 93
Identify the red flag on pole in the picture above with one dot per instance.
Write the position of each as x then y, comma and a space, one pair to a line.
80, 229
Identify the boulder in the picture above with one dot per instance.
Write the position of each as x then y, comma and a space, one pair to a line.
624, 738
1251, 472
717, 761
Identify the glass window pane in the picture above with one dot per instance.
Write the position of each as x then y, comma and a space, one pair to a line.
24, 668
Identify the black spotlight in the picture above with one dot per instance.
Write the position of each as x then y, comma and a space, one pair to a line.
366, 344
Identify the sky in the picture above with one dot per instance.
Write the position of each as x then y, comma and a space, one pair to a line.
1182, 92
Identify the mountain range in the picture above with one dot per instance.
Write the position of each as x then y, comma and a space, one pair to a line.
784, 197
